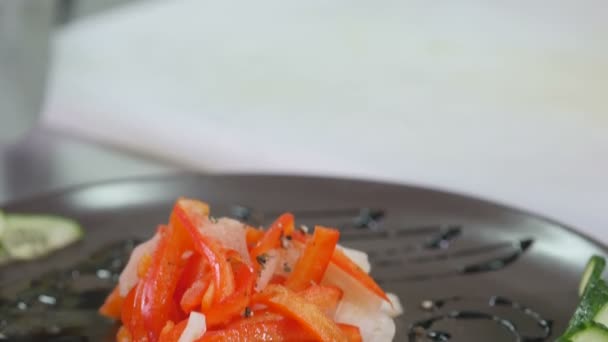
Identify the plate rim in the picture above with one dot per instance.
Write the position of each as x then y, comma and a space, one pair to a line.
372, 181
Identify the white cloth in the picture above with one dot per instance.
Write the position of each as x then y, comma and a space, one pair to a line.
505, 101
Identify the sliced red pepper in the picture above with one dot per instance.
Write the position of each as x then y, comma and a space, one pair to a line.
235, 305
272, 237
325, 297
127, 307
253, 332
172, 332
278, 280
253, 236
347, 265
193, 297
266, 327
312, 265
112, 306
352, 332
193, 283
300, 235
195, 268
260, 316
287, 303
156, 302
208, 296
186, 214
131, 314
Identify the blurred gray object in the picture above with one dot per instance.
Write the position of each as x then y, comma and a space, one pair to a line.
32, 158
25, 32
25, 28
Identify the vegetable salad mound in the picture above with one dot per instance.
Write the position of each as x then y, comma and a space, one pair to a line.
202, 279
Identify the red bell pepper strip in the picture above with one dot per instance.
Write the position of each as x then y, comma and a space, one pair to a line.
172, 332
156, 302
272, 237
277, 280
193, 297
193, 283
112, 306
287, 303
271, 327
186, 214
208, 296
253, 236
325, 297
131, 315
312, 265
235, 305
253, 332
261, 327
347, 265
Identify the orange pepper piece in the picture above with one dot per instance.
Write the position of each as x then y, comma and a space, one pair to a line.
112, 306
289, 304
313, 263
343, 262
272, 237
325, 297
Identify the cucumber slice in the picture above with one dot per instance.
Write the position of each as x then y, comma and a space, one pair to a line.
591, 332
2, 223
593, 270
593, 301
4, 257
602, 315
589, 322
26, 237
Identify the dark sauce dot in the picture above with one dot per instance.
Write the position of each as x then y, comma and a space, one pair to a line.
368, 218
241, 213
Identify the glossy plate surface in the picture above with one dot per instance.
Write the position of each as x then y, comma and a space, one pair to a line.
465, 269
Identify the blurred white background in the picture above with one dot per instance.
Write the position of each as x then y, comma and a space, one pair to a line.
504, 100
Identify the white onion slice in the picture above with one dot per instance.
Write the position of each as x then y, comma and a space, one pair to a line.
288, 259
358, 257
353, 290
268, 269
374, 326
229, 233
394, 308
195, 328
128, 277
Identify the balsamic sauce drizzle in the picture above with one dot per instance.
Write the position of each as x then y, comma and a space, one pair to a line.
63, 304
422, 330
495, 263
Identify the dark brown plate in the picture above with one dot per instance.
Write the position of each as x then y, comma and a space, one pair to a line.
487, 272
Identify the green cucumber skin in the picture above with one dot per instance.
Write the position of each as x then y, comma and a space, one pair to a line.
593, 300
582, 332
4, 256
598, 264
